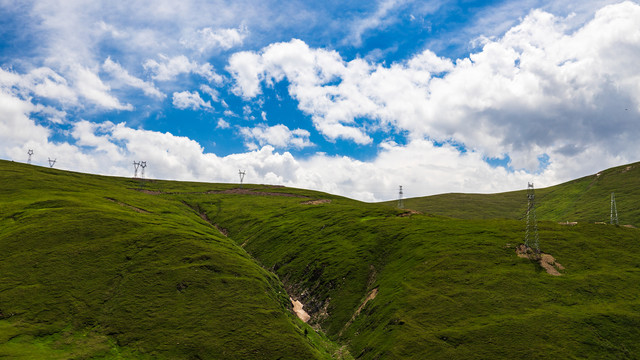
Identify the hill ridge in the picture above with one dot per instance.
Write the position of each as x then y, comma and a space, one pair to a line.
86, 277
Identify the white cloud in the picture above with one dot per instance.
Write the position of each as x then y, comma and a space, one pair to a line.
332, 107
247, 71
54, 115
550, 85
85, 134
213, 93
46, 83
89, 85
419, 166
539, 89
278, 136
206, 39
379, 19
123, 76
222, 124
189, 100
169, 68
42, 82
111, 30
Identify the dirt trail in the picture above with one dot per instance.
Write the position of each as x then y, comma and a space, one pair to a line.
137, 209
236, 191
254, 192
372, 295
204, 217
547, 261
316, 202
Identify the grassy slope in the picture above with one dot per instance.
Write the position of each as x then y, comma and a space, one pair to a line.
447, 288
84, 276
585, 200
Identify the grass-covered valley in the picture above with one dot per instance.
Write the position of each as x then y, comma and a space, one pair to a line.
105, 267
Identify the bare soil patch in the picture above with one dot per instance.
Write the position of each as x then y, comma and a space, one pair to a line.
298, 309
409, 212
546, 261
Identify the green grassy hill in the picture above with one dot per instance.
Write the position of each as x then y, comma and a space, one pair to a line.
92, 267
587, 199
101, 267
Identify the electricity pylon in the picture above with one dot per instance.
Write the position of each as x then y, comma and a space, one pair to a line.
614, 210
241, 174
136, 165
532, 222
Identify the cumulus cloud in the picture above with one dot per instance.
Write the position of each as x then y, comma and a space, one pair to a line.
309, 71
189, 100
539, 89
167, 69
42, 82
109, 148
419, 166
278, 136
549, 85
46, 83
89, 85
122, 75
206, 39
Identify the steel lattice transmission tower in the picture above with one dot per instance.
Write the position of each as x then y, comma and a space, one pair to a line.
143, 164
51, 162
136, 165
30, 152
241, 174
614, 210
532, 222
400, 200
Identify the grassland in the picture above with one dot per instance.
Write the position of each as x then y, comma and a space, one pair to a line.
582, 200
92, 267
98, 267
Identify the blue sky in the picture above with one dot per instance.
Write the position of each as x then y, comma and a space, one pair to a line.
353, 98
